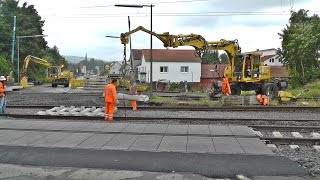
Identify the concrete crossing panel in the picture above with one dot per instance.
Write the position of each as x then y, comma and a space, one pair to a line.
254, 146
121, 141
200, 144
73, 140
58, 125
199, 129
50, 139
219, 130
96, 141
11, 135
115, 127
76, 126
156, 128
228, 145
95, 127
28, 138
177, 129
134, 128
173, 144
146, 143
241, 131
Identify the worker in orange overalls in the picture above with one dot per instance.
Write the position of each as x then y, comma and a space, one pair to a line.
110, 95
133, 91
2, 95
226, 86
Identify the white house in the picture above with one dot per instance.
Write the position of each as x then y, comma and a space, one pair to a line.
269, 57
115, 68
173, 65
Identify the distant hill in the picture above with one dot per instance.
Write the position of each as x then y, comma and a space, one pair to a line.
77, 59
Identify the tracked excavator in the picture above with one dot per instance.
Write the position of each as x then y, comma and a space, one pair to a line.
54, 73
245, 71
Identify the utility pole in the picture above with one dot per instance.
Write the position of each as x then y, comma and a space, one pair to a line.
13, 44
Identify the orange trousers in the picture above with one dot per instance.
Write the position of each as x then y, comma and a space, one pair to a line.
108, 115
134, 105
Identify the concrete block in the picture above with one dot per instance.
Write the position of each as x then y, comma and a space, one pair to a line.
228, 145
199, 129
296, 134
96, 141
218, 130
177, 129
156, 128
173, 144
73, 140
200, 144
315, 135
254, 146
121, 141
277, 134
317, 147
293, 146
146, 143
241, 131
258, 133
273, 147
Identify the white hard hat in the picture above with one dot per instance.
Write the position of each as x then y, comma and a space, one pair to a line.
2, 78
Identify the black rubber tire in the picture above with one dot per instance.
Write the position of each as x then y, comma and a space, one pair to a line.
54, 85
235, 89
270, 90
66, 85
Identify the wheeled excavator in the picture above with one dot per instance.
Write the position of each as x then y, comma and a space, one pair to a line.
245, 71
54, 73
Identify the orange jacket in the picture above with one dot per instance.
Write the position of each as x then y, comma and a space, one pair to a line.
133, 90
110, 93
2, 91
226, 86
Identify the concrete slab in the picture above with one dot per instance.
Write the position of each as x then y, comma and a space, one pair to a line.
218, 130
147, 143
121, 141
200, 144
115, 127
76, 126
39, 124
11, 135
177, 129
156, 128
50, 139
28, 138
228, 145
173, 144
96, 141
241, 131
254, 146
18, 124
58, 125
73, 140
93, 126
134, 128
199, 129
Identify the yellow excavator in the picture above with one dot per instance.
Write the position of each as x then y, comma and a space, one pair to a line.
245, 71
54, 73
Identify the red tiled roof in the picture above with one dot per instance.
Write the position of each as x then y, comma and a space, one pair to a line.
206, 73
264, 58
169, 55
136, 53
279, 72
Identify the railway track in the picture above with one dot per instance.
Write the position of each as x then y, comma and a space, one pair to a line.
188, 108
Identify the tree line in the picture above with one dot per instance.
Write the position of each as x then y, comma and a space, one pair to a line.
28, 23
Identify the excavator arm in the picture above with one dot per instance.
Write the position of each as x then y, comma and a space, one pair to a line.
194, 40
33, 59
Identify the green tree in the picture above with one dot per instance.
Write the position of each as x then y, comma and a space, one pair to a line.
5, 66
300, 47
223, 58
210, 57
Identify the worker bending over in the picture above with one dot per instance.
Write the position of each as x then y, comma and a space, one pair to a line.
2, 95
133, 91
226, 86
110, 95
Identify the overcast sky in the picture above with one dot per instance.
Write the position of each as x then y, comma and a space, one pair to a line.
80, 26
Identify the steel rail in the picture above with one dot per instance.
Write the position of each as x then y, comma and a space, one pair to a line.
291, 140
188, 108
132, 118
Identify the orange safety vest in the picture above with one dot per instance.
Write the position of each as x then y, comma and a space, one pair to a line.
110, 93
2, 91
226, 86
133, 90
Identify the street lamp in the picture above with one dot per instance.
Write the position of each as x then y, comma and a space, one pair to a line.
18, 42
151, 56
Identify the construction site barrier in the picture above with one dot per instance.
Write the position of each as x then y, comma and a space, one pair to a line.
75, 83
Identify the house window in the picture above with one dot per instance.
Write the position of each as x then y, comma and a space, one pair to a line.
163, 69
184, 69
272, 60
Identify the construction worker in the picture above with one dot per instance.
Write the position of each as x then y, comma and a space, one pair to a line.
8, 79
110, 95
226, 86
2, 95
133, 91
